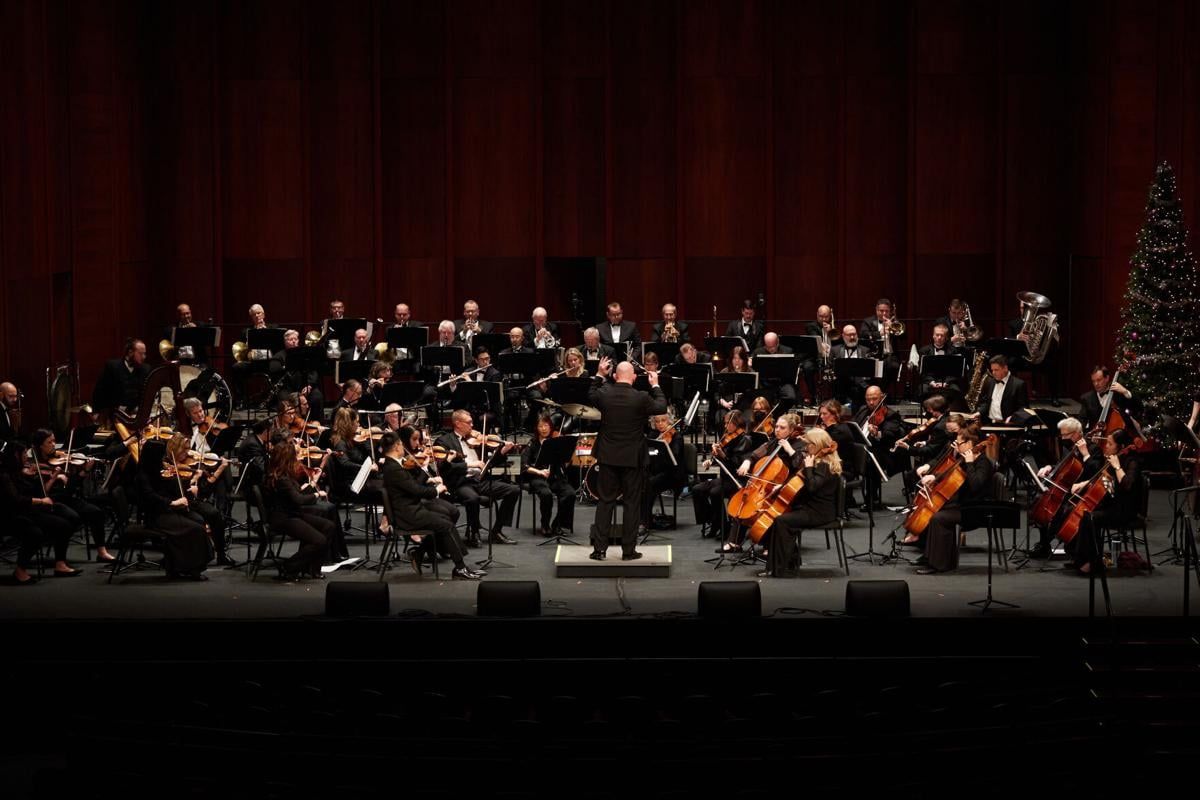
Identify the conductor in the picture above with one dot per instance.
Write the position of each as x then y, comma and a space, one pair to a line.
621, 452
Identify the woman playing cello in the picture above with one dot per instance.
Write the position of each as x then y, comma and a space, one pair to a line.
941, 535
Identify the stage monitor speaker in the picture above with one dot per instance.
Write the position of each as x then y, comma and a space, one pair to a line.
509, 599
729, 600
877, 599
346, 599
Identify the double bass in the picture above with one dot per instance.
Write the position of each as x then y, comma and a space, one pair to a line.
945, 486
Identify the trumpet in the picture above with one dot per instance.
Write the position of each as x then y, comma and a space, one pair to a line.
544, 339
469, 329
670, 333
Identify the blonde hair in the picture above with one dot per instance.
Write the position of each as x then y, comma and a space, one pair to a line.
819, 439
793, 420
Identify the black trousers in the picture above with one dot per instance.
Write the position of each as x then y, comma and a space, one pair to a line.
187, 550
471, 493
655, 485
43, 525
314, 533
438, 517
626, 483
780, 541
84, 513
708, 498
205, 513
546, 492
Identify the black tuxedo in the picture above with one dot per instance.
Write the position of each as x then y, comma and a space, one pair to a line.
1092, 406
682, 327
484, 327
814, 329
872, 330
7, 431
629, 333
753, 337
950, 392
470, 490
412, 323
523, 350
1015, 397
620, 451
119, 385
367, 355
531, 332
605, 351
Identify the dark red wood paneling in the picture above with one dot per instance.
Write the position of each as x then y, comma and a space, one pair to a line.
573, 166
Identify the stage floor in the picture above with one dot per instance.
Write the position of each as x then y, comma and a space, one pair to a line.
820, 588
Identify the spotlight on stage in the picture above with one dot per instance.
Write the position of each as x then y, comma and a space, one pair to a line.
729, 600
878, 599
346, 599
509, 599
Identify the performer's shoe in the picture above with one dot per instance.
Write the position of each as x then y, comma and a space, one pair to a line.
463, 574
597, 555
500, 538
634, 556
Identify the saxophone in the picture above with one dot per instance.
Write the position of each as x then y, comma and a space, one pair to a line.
978, 373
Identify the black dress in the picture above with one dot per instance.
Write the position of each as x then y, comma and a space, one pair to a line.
941, 535
815, 504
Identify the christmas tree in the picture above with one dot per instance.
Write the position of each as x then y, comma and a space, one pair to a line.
1158, 345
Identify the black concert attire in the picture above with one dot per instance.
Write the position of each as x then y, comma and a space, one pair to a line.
851, 390
941, 535
531, 335
810, 365
252, 455
31, 523
348, 458
1118, 508
482, 409
935, 440
514, 390
1092, 406
291, 512
188, 549
119, 385
417, 507
78, 511
786, 389
708, 497
664, 474
1091, 465
752, 332
8, 431
815, 504
602, 351
296, 380
621, 454
627, 332
548, 489
951, 390
681, 327
354, 354
469, 489
871, 330
889, 431
462, 334
1014, 397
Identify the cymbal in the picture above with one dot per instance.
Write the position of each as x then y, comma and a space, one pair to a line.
581, 411
547, 402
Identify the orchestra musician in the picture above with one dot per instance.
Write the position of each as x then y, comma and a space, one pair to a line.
1070, 431
470, 324
337, 310
1092, 403
822, 328
760, 412
10, 411
771, 346
882, 434
352, 394
403, 316
1120, 506
418, 504
871, 329
304, 382
724, 395
851, 390
197, 486
119, 387
362, 350
941, 535
618, 329
391, 418
676, 329
447, 337
290, 512
708, 497
822, 325
184, 319
379, 376
664, 473
548, 483
620, 452
1003, 393
165, 508
593, 349
486, 372
688, 354
747, 327
833, 418
31, 515
941, 345
955, 321
66, 491
929, 447
252, 454
240, 371
540, 333
468, 482
349, 455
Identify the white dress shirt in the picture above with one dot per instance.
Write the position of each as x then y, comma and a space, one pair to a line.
994, 411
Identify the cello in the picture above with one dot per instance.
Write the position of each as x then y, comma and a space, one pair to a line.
945, 486
1087, 501
1065, 474
769, 473
782, 500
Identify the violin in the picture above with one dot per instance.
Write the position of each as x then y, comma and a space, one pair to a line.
917, 431
768, 423
475, 439
878, 415
365, 434
300, 427
210, 424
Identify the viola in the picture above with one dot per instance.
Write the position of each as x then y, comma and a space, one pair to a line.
299, 427
878, 415
944, 487
475, 439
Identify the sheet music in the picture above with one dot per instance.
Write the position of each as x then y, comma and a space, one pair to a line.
360, 479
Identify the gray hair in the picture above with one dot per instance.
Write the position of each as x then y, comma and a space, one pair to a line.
192, 403
1070, 425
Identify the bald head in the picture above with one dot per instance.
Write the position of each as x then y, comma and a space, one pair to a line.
8, 394
624, 373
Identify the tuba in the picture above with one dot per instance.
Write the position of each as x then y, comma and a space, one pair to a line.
1039, 326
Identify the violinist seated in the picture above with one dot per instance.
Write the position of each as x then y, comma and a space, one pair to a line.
1003, 393
352, 395
362, 350
353, 446
418, 503
941, 535
932, 383
205, 431
167, 511
63, 483
925, 443
1093, 402
305, 382
670, 328
771, 346
31, 515
1075, 446
851, 390
548, 482
664, 473
465, 475
1120, 506
379, 377
540, 333
252, 454
197, 483
882, 426
119, 387
815, 455
708, 497
291, 501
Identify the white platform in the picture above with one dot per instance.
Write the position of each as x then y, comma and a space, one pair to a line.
571, 561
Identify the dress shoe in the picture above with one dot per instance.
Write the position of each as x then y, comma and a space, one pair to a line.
1040, 552
500, 538
921, 562
75, 573
597, 555
414, 560
927, 571
634, 556
728, 548
463, 574
30, 581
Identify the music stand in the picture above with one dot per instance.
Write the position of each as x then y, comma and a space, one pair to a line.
725, 344
803, 347
268, 339
696, 377
494, 342
658, 453
202, 339
778, 368
407, 342
666, 351
860, 437
620, 351
306, 359
557, 452
478, 394
994, 515
343, 330
452, 356
1011, 349
569, 390
345, 370
943, 368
